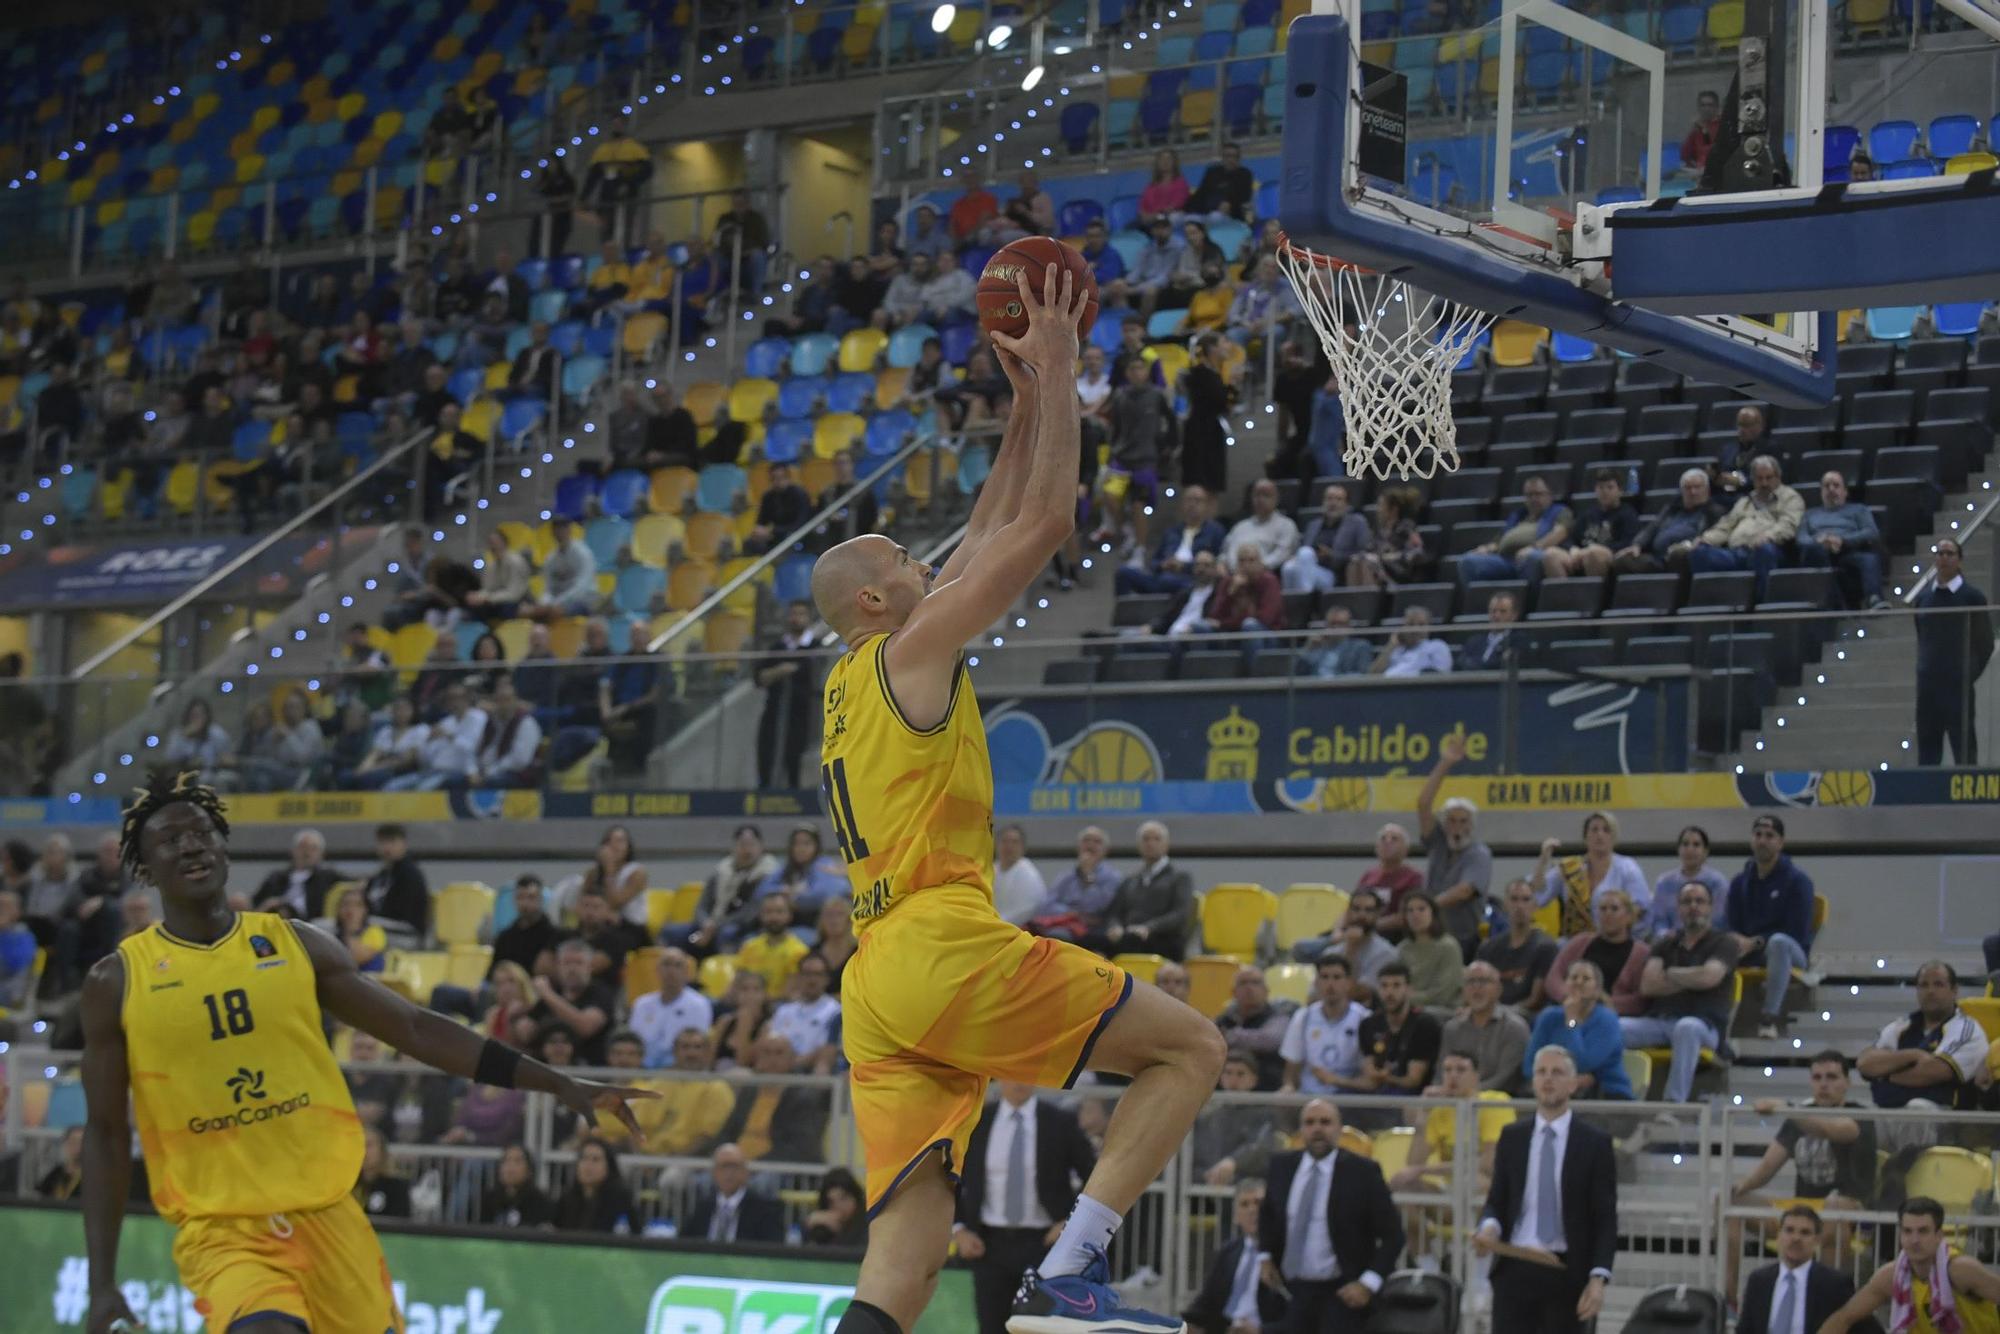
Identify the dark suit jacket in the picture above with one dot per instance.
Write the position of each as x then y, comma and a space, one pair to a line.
760, 1219
273, 889
1589, 1192
1063, 1162
1165, 621
1827, 1290
1208, 1311
1478, 653
1206, 538
1361, 1219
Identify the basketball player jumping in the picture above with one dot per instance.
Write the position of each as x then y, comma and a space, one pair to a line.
943, 994
210, 1023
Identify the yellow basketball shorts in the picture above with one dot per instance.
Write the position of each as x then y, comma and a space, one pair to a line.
944, 995
322, 1269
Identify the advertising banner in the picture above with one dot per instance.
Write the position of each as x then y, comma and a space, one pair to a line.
145, 574
523, 1283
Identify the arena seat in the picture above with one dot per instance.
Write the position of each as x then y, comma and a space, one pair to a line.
1305, 911
460, 910
1145, 967
716, 973
1233, 915
1291, 981
1211, 981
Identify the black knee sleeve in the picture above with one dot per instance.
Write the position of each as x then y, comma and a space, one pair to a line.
861, 1318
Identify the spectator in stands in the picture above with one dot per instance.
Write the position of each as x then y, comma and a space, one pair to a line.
299, 890
1458, 867
619, 169
411, 591
1152, 910
1930, 1058
451, 755
438, 674
741, 1017
364, 937
1435, 963
806, 876
1233, 1141
784, 509
1254, 1026
1106, 264
1607, 527
926, 237
569, 575
1155, 267
1262, 307
1197, 264
1093, 399
947, 296
1489, 652
1332, 539
1399, 1041
1689, 980
1210, 393
1166, 194
610, 939
743, 225
628, 701
1756, 531
858, 291
660, 1017
1334, 650
837, 942
903, 301
670, 436
576, 999
1209, 305
1577, 882
597, 1198
397, 890
1322, 1046
812, 301
1227, 188
810, 1021
1077, 903
1188, 613
1771, 912
1669, 534
973, 209
726, 912
1140, 416
1522, 954
1247, 600
1172, 561
1173, 979
489, 1116
510, 748
1358, 941
1029, 213
515, 1200
1018, 887
1701, 135
199, 743
1411, 651
1434, 1149
1835, 1155
1273, 531
1541, 524
1841, 534
841, 1218
1860, 168
858, 516
17, 952
529, 940
1619, 956
533, 374
503, 581
1662, 918
1395, 552
1954, 645
774, 951
1489, 1032
1585, 1027
102, 885
395, 751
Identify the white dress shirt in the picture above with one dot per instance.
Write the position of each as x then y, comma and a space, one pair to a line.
1017, 889
1320, 1265
1008, 1122
1521, 1230
1796, 1322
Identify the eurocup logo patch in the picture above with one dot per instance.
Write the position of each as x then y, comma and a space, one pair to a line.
261, 947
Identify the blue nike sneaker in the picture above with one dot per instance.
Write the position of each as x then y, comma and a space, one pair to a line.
1082, 1303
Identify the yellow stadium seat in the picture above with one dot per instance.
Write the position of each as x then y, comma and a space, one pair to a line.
366, 154
415, 973
249, 167
1392, 1148
1725, 23
717, 971
1305, 911
163, 179
1126, 87
1549, 918
726, 632
243, 142
858, 42
1964, 164
385, 126
1984, 1011
1952, 1176
1489, 75
836, 433
918, 484
1171, 358
1459, 46
642, 334
350, 106
480, 420
513, 637
687, 900
890, 386
742, 524
1232, 915
225, 197
653, 535
1145, 967
748, 398
659, 910
264, 117
687, 584
114, 496
81, 191
705, 535
1848, 320
315, 89
183, 487
672, 489
861, 348
281, 73
967, 26
466, 965
10, 389
744, 600
815, 474
1379, 53
35, 1102
460, 911
487, 65
447, 47
411, 644
1515, 342
566, 636
204, 106
1198, 110
1291, 981
497, 375
1211, 980
1638, 1072
703, 398
201, 229
641, 972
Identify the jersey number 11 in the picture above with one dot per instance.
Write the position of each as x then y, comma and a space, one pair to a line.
840, 809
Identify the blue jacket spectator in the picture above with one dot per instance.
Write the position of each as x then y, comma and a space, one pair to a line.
1106, 264
1154, 270
1771, 912
1167, 567
1840, 534
1586, 1027
1085, 891
1670, 528
17, 952
1540, 523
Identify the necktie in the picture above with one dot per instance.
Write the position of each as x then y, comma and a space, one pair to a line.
724, 1228
1548, 1195
1781, 1323
1301, 1222
1017, 1171
1241, 1291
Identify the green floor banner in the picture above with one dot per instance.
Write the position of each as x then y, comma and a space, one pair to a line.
520, 1283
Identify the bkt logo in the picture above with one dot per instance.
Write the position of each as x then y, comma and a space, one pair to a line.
731, 1306
246, 1083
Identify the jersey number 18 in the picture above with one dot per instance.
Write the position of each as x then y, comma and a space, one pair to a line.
232, 1017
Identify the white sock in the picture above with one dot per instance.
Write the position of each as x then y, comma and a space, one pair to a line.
1090, 1224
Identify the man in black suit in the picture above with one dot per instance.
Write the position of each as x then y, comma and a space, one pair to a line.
730, 1213
1555, 1188
1238, 1297
1487, 650
1794, 1296
300, 889
1024, 1165
1329, 1229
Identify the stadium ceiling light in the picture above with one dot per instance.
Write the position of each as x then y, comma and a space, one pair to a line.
1034, 77
997, 38
941, 18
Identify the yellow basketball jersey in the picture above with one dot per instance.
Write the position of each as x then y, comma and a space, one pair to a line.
910, 809
241, 1107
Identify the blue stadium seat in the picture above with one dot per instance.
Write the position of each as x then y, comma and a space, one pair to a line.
792, 581
851, 391
601, 340
1841, 141
1951, 135
1239, 109
548, 306
887, 431
1958, 319
581, 374
1620, 194
636, 587
520, 416
79, 490
1176, 50
1079, 125
1256, 41
1569, 347
1891, 140
1122, 212
567, 338
1119, 118
1165, 324
467, 384
798, 397
1681, 28
1247, 73
1546, 72
518, 339
1156, 116
1892, 323
1220, 16
716, 486
906, 345
1078, 214
1909, 169
1213, 46
812, 352
623, 490
533, 272
785, 441
568, 273
573, 493
250, 440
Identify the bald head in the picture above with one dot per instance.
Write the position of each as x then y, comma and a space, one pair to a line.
868, 585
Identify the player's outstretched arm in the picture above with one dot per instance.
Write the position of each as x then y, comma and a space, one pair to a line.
1000, 496
1046, 513
107, 1138
354, 998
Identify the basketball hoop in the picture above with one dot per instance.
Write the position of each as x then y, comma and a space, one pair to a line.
1394, 362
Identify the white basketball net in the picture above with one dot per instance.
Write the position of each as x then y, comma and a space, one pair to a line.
1394, 363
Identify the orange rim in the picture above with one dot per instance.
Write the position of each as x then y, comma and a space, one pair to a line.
1314, 257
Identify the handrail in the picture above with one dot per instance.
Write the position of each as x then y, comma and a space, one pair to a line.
1961, 537
762, 563
257, 549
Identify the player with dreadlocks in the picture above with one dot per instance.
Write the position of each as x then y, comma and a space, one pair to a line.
210, 1024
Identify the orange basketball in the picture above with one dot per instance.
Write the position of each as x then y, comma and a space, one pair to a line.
999, 293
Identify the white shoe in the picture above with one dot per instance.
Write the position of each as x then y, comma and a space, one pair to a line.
1767, 1029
